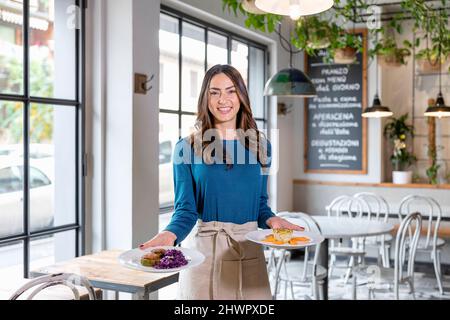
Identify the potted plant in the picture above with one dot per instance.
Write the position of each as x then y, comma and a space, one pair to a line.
311, 33
344, 47
428, 60
398, 131
389, 54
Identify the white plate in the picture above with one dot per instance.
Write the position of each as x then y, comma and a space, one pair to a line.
132, 259
259, 235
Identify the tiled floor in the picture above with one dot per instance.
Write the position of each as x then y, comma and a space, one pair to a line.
425, 287
425, 283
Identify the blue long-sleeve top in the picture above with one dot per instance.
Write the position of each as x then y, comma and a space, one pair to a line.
215, 192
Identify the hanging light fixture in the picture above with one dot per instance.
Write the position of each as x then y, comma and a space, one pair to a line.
439, 110
377, 110
249, 6
289, 82
294, 8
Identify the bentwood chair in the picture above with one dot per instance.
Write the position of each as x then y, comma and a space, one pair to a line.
429, 242
306, 273
349, 207
403, 272
377, 208
61, 279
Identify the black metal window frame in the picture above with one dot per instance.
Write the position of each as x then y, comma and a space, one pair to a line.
182, 17
80, 166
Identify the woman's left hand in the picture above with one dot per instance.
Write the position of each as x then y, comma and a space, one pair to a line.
280, 223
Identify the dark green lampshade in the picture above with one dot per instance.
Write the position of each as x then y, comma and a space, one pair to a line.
439, 110
377, 110
290, 83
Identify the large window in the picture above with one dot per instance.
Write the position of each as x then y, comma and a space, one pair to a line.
41, 133
188, 48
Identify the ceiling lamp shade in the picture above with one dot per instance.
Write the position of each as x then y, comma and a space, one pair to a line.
294, 8
290, 82
249, 6
377, 110
439, 110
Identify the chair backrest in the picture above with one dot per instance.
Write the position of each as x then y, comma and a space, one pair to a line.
311, 225
406, 243
413, 203
346, 204
306, 220
375, 205
65, 279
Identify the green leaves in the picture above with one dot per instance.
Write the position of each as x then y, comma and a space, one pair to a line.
398, 131
328, 30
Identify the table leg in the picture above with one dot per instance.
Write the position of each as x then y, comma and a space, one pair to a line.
323, 261
141, 295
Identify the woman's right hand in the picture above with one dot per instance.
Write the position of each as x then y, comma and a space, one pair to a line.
165, 238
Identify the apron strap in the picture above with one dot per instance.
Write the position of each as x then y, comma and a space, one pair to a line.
236, 250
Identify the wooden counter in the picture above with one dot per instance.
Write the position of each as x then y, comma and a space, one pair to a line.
368, 184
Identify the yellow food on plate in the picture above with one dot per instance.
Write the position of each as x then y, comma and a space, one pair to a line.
283, 235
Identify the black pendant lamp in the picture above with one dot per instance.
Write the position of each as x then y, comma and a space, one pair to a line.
289, 82
377, 110
439, 110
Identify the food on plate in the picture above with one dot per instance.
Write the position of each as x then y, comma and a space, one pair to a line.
172, 259
284, 236
164, 259
150, 259
160, 252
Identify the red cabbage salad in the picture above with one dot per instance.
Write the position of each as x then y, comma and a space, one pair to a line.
171, 259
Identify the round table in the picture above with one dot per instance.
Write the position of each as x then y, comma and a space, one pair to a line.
345, 228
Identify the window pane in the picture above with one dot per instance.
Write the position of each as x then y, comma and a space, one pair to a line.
193, 42
11, 48
11, 262
52, 48
239, 58
217, 49
11, 159
260, 124
168, 137
187, 125
48, 250
52, 166
257, 82
169, 63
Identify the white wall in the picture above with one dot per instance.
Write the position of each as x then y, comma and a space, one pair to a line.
123, 144
397, 84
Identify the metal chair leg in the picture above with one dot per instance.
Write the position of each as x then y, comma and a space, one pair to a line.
387, 255
437, 267
351, 263
292, 290
331, 265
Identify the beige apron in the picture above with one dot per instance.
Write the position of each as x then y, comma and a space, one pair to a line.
234, 268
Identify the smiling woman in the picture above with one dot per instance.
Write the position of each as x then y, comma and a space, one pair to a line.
220, 174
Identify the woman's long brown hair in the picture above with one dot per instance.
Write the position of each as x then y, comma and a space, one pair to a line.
255, 143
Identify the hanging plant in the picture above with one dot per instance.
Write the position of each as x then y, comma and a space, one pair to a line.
344, 47
311, 33
390, 54
432, 22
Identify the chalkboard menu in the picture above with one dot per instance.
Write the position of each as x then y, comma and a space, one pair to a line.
335, 132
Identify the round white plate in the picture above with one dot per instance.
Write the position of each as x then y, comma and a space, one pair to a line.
259, 235
132, 259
